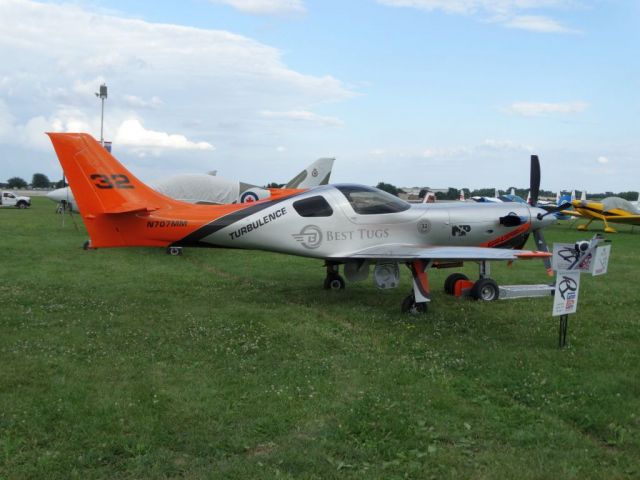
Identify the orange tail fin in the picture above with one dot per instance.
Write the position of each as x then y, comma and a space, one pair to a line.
108, 195
100, 183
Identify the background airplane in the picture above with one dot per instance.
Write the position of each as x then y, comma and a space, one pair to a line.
215, 190
610, 209
356, 226
497, 198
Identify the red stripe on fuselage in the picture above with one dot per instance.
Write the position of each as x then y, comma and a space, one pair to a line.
496, 242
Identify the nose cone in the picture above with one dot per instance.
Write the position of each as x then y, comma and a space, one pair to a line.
540, 218
57, 195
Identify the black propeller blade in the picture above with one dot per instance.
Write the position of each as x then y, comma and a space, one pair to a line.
555, 209
534, 180
541, 245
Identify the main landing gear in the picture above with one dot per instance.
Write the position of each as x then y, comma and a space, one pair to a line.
607, 228
416, 303
410, 306
333, 280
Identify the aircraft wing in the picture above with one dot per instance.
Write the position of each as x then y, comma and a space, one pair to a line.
630, 219
402, 252
572, 213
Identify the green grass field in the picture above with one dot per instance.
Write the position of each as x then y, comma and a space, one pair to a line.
129, 363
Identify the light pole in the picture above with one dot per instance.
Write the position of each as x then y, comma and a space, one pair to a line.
102, 95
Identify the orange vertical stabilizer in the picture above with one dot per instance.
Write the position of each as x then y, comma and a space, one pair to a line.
114, 204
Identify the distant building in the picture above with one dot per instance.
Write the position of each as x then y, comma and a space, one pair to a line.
412, 194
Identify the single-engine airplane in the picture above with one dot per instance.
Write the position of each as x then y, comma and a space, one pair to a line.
214, 190
610, 209
351, 225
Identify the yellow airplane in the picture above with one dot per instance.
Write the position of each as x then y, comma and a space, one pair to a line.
611, 209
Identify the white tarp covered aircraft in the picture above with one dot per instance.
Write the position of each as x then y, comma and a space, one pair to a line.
352, 225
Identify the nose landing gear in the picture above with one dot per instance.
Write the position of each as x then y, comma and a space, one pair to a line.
333, 280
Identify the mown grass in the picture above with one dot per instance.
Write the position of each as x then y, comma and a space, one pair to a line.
129, 363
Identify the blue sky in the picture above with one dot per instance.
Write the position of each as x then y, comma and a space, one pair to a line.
411, 92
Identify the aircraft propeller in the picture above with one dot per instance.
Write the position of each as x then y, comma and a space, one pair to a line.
554, 209
534, 181
534, 189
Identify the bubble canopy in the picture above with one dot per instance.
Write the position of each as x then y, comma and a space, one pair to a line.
371, 201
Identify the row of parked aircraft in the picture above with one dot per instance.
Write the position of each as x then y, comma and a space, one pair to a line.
215, 190
610, 209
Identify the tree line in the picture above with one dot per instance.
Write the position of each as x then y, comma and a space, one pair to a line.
454, 193
39, 180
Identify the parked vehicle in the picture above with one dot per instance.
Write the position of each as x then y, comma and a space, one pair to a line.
10, 199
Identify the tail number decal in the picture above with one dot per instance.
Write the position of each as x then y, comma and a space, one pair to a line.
117, 180
166, 223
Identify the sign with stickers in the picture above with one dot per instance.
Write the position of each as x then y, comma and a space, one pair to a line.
565, 299
601, 262
565, 255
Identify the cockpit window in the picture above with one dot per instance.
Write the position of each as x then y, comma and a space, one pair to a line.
370, 201
313, 207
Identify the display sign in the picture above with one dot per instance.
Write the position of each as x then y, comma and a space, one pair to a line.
565, 254
601, 262
565, 299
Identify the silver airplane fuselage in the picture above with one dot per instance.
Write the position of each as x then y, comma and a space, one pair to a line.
336, 230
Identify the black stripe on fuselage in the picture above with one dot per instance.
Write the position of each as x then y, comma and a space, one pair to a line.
194, 239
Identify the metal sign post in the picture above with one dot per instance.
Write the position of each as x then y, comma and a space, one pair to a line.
562, 334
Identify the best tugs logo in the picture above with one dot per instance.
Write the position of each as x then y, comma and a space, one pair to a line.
309, 237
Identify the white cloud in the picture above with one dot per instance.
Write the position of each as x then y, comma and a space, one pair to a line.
303, 116
6, 121
505, 12
538, 23
281, 149
265, 7
504, 145
603, 160
203, 84
32, 131
537, 109
132, 134
487, 147
137, 102
446, 152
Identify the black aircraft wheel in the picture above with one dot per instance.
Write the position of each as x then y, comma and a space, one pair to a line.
86, 245
410, 306
334, 282
486, 290
450, 282
174, 251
